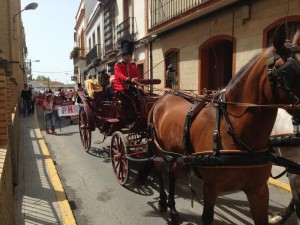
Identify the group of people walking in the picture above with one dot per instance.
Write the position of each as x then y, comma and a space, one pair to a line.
125, 73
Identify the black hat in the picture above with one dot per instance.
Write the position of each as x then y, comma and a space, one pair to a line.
127, 46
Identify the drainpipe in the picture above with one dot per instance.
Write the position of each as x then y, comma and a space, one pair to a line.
151, 65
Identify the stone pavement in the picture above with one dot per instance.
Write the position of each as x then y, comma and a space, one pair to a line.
39, 196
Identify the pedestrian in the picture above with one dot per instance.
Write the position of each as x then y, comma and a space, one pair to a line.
26, 95
62, 94
104, 81
47, 106
79, 88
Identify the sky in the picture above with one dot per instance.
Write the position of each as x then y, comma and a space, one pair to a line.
49, 33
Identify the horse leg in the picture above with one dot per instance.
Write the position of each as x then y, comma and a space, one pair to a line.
174, 215
162, 204
259, 203
281, 216
295, 187
209, 198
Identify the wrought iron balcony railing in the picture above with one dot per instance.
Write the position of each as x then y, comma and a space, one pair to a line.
95, 53
164, 10
125, 30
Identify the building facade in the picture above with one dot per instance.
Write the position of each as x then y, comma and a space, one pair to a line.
106, 23
12, 78
207, 42
192, 44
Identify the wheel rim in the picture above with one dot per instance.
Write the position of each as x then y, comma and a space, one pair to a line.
85, 133
118, 152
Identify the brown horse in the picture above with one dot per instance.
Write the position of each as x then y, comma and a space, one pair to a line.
225, 127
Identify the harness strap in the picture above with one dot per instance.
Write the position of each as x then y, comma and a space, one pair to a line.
216, 133
291, 167
279, 175
232, 133
193, 112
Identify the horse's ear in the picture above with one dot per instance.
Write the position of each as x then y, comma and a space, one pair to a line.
279, 37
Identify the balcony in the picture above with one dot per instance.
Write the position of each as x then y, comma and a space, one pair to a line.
109, 31
77, 54
166, 14
125, 30
95, 53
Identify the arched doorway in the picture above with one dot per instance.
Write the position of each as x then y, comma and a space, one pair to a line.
216, 60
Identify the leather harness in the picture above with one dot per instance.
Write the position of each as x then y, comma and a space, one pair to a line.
245, 156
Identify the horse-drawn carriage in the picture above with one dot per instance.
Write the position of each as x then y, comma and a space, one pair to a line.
121, 118
224, 139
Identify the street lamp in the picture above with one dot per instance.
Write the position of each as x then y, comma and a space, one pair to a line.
30, 6
28, 68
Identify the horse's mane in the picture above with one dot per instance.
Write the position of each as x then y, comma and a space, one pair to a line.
243, 70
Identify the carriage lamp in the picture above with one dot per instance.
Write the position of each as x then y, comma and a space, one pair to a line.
170, 76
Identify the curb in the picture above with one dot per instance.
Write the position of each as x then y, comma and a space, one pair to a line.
279, 184
66, 213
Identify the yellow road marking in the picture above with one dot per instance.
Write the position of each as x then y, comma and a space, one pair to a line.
280, 184
63, 204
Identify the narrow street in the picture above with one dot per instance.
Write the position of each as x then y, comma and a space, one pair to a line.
96, 197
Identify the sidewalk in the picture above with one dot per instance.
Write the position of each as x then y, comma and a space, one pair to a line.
39, 196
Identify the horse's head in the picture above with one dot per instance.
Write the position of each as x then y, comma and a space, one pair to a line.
284, 66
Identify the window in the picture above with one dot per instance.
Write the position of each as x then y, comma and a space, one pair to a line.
108, 26
98, 35
171, 66
291, 30
94, 39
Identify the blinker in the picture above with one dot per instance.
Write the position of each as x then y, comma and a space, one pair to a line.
289, 72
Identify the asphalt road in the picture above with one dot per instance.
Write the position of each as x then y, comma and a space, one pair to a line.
96, 198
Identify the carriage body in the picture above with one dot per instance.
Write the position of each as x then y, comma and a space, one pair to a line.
128, 137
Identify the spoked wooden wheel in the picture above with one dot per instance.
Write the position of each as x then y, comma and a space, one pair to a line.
118, 151
84, 131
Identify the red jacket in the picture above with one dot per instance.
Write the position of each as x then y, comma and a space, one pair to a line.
122, 72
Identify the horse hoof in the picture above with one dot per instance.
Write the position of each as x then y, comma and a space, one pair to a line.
175, 219
162, 208
275, 219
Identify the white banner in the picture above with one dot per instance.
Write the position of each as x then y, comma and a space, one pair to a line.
68, 110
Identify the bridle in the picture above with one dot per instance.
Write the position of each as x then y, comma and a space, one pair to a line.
278, 75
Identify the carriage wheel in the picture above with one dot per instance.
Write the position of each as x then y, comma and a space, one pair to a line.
84, 131
118, 151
